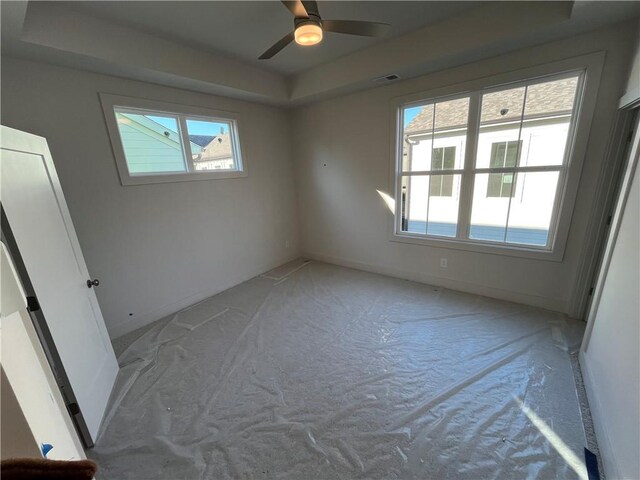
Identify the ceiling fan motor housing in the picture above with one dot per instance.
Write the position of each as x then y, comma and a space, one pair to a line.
309, 28
313, 19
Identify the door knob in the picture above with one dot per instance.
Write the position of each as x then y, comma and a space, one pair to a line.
93, 283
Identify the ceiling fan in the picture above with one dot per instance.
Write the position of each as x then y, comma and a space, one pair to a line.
309, 27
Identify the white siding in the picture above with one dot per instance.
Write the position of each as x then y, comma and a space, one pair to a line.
145, 152
535, 192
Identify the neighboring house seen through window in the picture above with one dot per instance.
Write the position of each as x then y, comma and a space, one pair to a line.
503, 154
506, 189
443, 159
169, 142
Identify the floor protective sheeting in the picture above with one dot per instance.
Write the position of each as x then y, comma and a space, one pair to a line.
314, 371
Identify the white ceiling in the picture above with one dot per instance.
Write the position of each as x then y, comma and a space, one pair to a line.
213, 46
245, 29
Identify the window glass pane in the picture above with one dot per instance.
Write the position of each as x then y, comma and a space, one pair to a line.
521, 128
435, 186
501, 185
437, 158
499, 124
547, 116
449, 158
489, 212
151, 142
503, 155
551, 98
211, 145
494, 185
451, 119
434, 136
441, 185
532, 208
443, 205
545, 109
502, 106
417, 134
512, 154
413, 207
498, 151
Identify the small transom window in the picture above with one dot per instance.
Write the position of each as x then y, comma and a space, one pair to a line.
171, 143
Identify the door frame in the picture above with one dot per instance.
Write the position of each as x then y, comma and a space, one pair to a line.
606, 194
631, 152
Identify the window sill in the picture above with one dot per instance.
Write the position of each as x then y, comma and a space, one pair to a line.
178, 177
480, 247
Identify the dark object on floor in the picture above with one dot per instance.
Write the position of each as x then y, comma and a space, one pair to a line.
43, 469
591, 461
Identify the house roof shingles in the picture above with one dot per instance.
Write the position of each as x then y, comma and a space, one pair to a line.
201, 140
542, 99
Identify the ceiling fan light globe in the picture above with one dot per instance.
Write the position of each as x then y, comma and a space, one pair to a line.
308, 34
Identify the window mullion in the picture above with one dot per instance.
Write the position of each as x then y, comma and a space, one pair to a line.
542, 168
399, 168
433, 172
186, 144
514, 175
433, 141
553, 226
467, 180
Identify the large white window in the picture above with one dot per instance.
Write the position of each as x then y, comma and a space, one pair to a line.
487, 167
155, 142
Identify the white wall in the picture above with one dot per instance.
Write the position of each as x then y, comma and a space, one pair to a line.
611, 362
342, 153
157, 248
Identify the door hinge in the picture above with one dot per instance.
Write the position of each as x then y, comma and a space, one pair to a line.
32, 304
609, 220
74, 408
591, 291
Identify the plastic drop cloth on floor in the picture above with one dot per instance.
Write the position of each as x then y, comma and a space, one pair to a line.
317, 371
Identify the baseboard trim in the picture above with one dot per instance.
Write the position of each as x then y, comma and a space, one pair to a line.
461, 286
607, 452
139, 321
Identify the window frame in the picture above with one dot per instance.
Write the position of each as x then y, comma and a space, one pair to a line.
590, 67
182, 113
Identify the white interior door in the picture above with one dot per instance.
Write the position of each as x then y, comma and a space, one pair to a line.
39, 414
37, 213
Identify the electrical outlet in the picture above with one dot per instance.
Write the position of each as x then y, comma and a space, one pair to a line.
443, 263
286, 244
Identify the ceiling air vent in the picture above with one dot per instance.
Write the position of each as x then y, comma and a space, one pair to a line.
387, 78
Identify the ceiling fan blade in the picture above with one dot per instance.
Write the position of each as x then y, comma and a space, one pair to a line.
311, 6
276, 47
296, 7
353, 27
